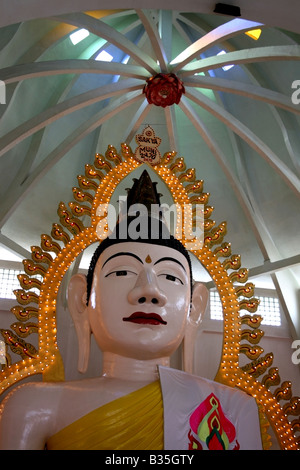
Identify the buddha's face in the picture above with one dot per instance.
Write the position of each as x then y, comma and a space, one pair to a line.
139, 300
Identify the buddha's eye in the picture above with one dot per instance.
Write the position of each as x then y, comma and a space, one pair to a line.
120, 273
172, 278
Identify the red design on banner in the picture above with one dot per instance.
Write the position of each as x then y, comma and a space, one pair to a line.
194, 444
211, 428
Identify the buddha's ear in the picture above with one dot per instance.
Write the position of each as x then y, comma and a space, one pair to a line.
79, 313
198, 306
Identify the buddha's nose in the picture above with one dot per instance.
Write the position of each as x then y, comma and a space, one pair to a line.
146, 290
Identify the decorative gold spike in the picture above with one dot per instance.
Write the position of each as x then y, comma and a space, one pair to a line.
167, 158
188, 175
252, 336
24, 313
39, 256
178, 165
196, 187
216, 235
223, 251
48, 244
79, 210
208, 210
82, 196
24, 329
208, 225
293, 407
249, 304
112, 154
240, 276
90, 172
200, 198
59, 234
284, 392
271, 378
27, 282
25, 298
126, 150
101, 163
296, 427
74, 225
18, 345
250, 351
86, 184
259, 367
32, 268
246, 291
253, 321
234, 262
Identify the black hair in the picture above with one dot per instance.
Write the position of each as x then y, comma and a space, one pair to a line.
162, 237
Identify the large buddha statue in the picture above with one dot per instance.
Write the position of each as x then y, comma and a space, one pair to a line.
140, 303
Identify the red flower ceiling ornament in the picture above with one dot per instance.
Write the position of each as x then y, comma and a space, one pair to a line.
164, 89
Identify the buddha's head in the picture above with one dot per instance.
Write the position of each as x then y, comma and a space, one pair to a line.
138, 299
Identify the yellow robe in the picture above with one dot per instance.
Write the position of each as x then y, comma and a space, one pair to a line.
132, 422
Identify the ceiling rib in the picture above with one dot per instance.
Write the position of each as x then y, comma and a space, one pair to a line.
156, 42
258, 229
101, 29
266, 243
14, 247
165, 29
221, 33
136, 121
245, 56
243, 89
75, 103
248, 136
69, 66
65, 146
171, 127
282, 118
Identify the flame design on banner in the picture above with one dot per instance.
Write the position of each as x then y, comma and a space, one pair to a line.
211, 428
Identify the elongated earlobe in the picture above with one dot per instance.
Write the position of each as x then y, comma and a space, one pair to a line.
79, 314
198, 306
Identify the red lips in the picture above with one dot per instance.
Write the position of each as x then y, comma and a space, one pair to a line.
145, 318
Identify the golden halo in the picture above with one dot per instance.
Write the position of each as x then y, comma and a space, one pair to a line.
70, 237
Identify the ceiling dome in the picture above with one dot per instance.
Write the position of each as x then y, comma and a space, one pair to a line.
67, 97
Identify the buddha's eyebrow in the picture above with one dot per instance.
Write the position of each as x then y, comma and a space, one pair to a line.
168, 258
122, 253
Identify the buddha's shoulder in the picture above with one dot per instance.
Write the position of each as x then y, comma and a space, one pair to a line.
28, 392
65, 394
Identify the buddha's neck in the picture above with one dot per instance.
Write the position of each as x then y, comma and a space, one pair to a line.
126, 368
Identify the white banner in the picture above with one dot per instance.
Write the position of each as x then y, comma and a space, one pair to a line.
205, 415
